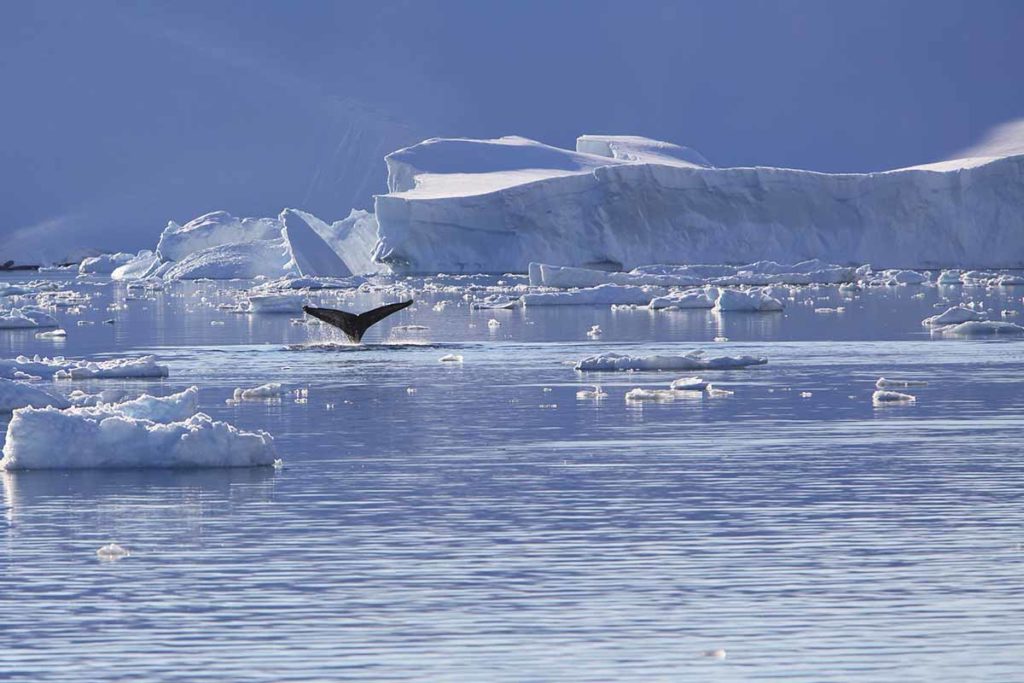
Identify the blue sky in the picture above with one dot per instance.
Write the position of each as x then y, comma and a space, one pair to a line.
118, 116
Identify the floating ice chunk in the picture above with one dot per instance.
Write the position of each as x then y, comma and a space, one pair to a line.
276, 303
594, 394
244, 260
493, 324
714, 654
884, 383
882, 397
26, 318
953, 316
565, 277
104, 264
715, 392
595, 331
117, 368
693, 298
58, 333
949, 277
19, 395
689, 384
410, 328
806, 394
493, 302
600, 295
749, 301
101, 437
263, 392
111, 552
1009, 280
639, 394
451, 358
695, 360
981, 328
904, 277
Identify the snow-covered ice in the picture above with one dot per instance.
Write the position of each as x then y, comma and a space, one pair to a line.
146, 432
882, 397
263, 392
459, 205
695, 360
19, 395
752, 301
601, 295
25, 318
276, 303
59, 367
953, 316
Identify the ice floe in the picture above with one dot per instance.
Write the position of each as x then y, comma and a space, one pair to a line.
601, 295
753, 301
882, 397
953, 316
695, 360
146, 432
272, 390
26, 318
20, 395
59, 367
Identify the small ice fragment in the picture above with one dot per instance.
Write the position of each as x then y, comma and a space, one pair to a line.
689, 384
806, 394
718, 393
411, 390
110, 321
594, 332
714, 654
451, 358
58, 333
884, 397
546, 389
595, 394
112, 551
493, 324
262, 392
278, 464
83, 323
216, 322
721, 339
883, 383
639, 394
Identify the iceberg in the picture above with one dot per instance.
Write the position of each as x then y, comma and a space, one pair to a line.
494, 206
104, 264
139, 267
233, 261
213, 230
311, 256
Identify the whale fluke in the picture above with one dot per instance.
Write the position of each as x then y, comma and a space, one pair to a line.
354, 326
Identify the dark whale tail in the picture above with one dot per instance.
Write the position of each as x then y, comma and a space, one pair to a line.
355, 326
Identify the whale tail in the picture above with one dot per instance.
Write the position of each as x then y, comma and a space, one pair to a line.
355, 325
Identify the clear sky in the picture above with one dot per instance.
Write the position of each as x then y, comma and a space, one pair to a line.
117, 116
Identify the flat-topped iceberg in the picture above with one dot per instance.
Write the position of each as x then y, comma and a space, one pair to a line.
146, 432
458, 205
602, 294
694, 360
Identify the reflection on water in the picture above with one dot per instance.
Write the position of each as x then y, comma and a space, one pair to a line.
487, 525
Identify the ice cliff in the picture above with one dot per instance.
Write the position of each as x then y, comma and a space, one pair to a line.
460, 205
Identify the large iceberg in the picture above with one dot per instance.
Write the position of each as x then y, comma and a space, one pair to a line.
460, 205
219, 246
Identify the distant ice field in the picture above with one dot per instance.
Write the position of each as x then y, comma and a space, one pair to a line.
477, 521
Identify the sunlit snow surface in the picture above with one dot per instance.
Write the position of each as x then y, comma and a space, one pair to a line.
484, 528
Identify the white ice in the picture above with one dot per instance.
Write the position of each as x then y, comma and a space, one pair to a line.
19, 395
695, 360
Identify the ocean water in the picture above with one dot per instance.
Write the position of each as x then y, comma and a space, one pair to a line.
476, 521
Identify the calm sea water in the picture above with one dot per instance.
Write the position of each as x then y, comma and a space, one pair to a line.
489, 526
